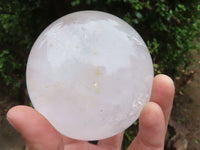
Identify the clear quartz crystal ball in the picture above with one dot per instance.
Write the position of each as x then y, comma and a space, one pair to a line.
90, 74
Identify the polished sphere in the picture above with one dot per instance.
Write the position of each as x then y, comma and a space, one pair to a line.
90, 74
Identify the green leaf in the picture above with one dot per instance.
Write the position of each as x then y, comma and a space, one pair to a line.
196, 141
138, 15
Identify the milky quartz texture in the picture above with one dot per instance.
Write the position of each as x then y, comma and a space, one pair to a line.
90, 74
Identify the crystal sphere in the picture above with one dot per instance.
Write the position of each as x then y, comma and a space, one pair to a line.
90, 74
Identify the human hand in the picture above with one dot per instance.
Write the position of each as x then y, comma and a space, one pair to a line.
39, 134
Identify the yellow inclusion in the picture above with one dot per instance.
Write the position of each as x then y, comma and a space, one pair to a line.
95, 53
96, 87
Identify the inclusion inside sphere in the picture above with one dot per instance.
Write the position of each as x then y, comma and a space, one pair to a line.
90, 74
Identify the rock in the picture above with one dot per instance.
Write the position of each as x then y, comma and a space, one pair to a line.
178, 140
181, 144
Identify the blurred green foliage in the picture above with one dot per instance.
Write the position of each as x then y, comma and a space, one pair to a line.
8, 68
129, 135
168, 27
18, 21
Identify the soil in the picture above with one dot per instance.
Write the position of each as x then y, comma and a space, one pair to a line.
9, 138
186, 109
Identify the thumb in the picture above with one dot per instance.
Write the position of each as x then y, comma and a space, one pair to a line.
37, 132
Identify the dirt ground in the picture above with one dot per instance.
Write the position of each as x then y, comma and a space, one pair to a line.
186, 110
9, 138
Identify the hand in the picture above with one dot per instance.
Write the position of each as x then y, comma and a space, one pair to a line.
39, 134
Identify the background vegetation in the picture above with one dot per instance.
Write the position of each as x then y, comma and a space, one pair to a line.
168, 27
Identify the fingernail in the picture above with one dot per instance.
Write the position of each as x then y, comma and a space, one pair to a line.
9, 118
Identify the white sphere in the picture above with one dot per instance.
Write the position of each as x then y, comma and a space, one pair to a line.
90, 74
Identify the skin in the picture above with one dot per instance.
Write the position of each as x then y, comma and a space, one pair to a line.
39, 134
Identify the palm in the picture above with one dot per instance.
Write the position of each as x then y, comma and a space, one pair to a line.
113, 143
83, 146
39, 134
86, 146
